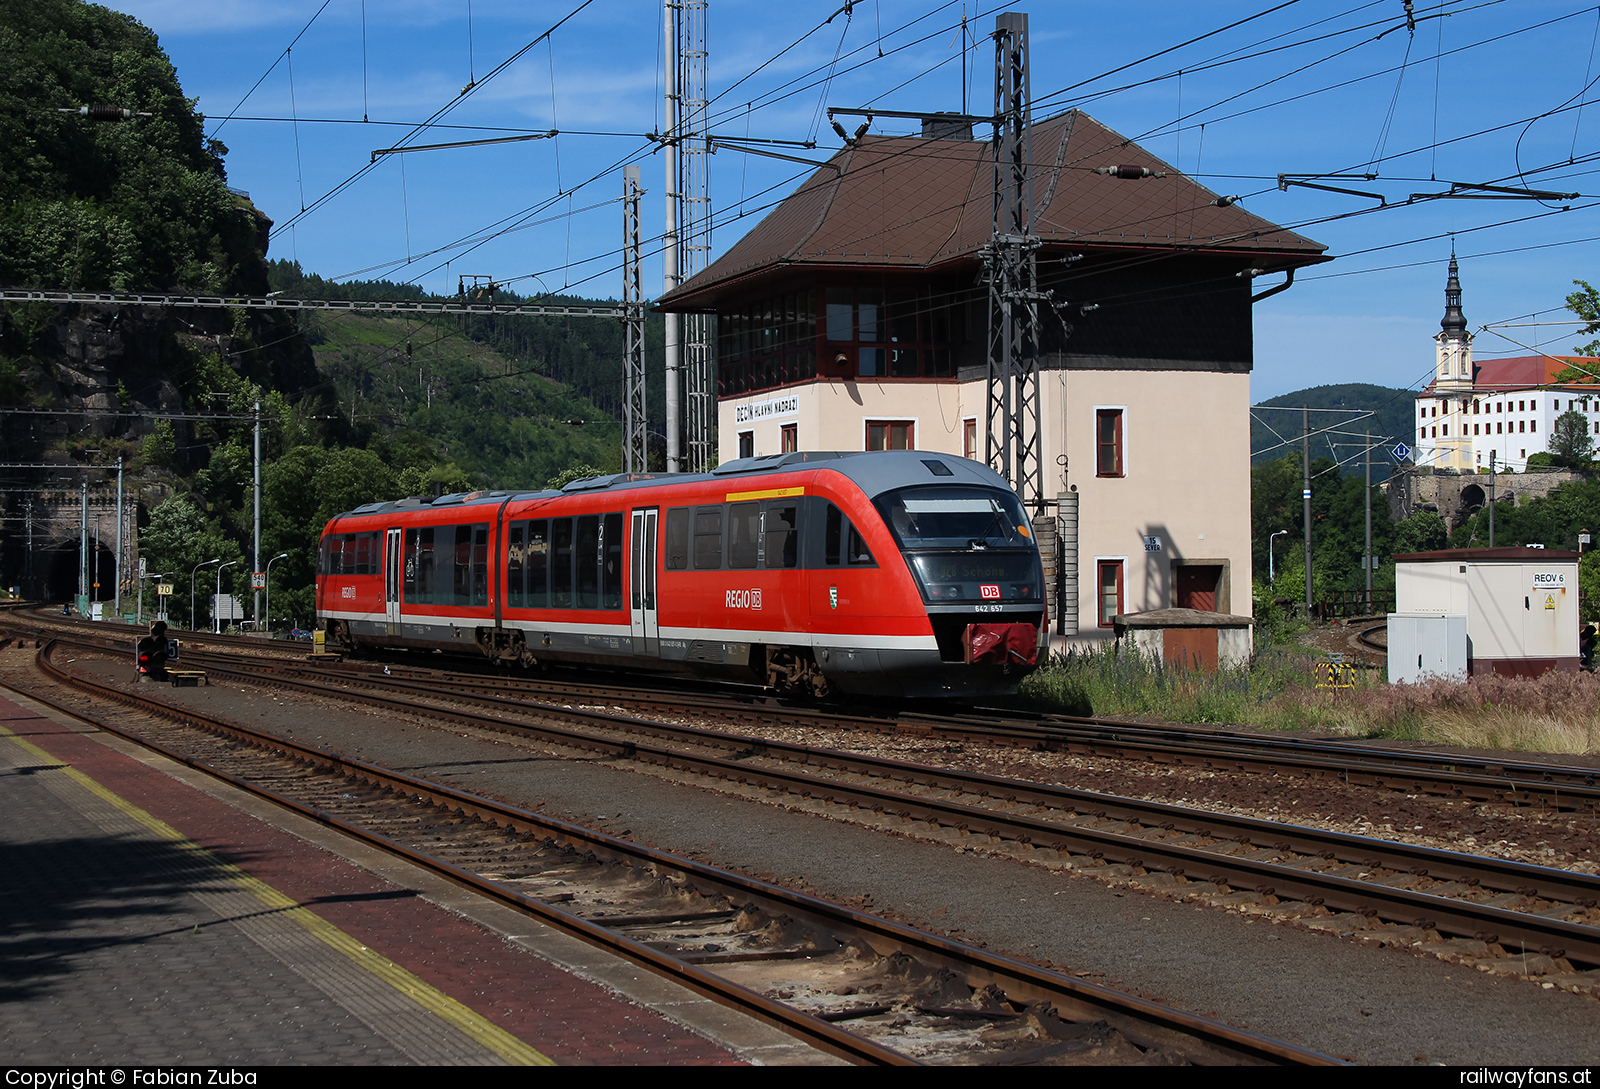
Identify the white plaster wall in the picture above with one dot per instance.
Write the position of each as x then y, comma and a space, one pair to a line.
1186, 461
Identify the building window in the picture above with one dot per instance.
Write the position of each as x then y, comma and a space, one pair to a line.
1474, 429
891, 435
1108, 579
789, 439
969, 438
1108, 459
1533, 425
747, 444
895, 332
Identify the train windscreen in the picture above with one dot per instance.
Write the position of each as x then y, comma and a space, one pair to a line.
965, 544
955, 517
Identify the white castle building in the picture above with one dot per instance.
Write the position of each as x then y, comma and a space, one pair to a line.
1500, 408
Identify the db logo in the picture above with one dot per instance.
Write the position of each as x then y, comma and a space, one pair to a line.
349, 591
743, 599
990, 592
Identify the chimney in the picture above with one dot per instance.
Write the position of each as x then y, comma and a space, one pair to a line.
936, 127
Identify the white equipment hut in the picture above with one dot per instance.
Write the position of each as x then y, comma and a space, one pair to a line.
1520, 607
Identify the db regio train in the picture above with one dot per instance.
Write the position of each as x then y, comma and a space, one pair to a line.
897, 573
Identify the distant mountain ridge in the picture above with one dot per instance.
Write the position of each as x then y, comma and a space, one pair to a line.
1390, 424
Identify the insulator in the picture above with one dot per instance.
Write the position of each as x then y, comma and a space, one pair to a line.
1129, 172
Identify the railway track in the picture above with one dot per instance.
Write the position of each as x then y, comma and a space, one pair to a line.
1437, 774
1436, 901
905, 995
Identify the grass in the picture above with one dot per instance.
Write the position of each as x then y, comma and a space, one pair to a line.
1555, 713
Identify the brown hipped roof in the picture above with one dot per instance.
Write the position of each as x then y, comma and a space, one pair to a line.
917, 203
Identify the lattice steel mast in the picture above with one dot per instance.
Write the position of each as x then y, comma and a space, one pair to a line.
1014, 443
691, 413
635, 433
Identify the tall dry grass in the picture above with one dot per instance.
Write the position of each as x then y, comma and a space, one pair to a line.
1555, 713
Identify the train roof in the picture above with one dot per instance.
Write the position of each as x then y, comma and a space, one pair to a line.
874, 472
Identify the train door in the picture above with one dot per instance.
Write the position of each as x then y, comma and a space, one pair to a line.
393, 561
642, 582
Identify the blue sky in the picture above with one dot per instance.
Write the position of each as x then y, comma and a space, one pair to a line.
1312, 87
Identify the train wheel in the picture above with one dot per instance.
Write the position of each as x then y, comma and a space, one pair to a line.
794, 672
339, 635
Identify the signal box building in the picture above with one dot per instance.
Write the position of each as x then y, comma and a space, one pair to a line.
855, 317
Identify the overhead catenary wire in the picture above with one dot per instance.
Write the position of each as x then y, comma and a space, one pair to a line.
465, 93
569, 263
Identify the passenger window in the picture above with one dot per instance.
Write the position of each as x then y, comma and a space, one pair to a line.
561, 563
856, 552
708, 539
589, 561
419, 567
782, 540
744, 534
830, 548
514, 595
677, 539
480, 564
538, 564
611, 573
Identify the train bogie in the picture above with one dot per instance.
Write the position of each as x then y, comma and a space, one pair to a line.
896, 574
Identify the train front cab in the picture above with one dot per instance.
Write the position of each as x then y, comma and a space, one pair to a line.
968, 569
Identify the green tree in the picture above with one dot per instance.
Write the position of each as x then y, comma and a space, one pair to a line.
575, 472
138, 203
1585, 303
1570, 444
1424, 531
178, 538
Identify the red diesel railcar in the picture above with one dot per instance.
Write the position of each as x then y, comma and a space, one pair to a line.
896, 573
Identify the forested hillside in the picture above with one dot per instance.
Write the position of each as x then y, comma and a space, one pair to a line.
584, 354
1275, 427
137, 204
355, 409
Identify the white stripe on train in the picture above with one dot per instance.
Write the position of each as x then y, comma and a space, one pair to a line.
726, 635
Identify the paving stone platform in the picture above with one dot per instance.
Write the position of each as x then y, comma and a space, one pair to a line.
152, 916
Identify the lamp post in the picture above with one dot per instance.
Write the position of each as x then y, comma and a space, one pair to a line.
197, 567
1272, 572
268, 587
139, 598
216, 621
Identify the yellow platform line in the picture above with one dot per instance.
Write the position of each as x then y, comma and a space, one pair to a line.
466, 1020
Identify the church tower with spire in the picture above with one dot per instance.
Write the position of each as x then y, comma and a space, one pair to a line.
1498, 412
1453, 389
1453, 362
